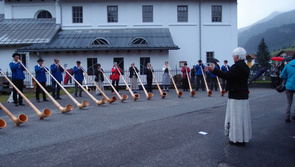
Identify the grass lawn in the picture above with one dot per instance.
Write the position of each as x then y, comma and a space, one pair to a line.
29, 93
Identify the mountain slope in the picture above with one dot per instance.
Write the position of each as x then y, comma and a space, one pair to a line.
275, 38
278, 21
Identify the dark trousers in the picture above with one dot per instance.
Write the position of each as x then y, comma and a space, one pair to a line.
54, 84
289, 94
38, 90
200, 79
274, 81
76, 88
19, 83
185, 84
223, 84
116, 86
149, 84
213, 81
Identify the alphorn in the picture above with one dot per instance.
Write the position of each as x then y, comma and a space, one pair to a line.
179, 93
127, 87
134, 96
122, 98
163, 94
190, 86
79, 105
86, 84
45, 113
209, 92
98, 102
2, 123
222, 92
148, 95
108, 99
22, 118
62, 109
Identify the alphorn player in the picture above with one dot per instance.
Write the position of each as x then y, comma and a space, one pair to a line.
78, 75
213, 79
149, 77
199, 76
133, 78
115, 77
56, 71
41, 78
166, 77
224, 68
237, 119
185, 85
99, 79
18, 77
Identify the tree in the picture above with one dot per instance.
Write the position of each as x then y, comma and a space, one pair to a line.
263, 56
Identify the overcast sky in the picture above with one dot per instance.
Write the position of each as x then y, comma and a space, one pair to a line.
251, 11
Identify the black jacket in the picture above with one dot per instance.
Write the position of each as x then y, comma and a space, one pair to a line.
148, 73
97, 73
237, 80
131, 72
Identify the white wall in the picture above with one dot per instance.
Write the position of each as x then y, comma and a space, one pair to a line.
1, 7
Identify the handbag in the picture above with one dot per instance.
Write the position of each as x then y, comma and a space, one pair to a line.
281, 88
111, 77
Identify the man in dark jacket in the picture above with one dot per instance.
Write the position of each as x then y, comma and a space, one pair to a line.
41, 78
199, 75
99, 78
149, 77
78, 75
56, 71
18, 77
237, 119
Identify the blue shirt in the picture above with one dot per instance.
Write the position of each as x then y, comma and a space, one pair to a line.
198, 68
40, 73
56, 72
17, 70
224, 69
211, 74
78, 73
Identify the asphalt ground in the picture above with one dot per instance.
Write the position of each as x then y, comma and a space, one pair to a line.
156, 132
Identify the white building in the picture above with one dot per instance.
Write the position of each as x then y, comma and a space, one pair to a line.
99, 31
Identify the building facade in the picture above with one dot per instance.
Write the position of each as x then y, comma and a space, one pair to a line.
139, 31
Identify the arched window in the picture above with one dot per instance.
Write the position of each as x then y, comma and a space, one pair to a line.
100, 41
139, 41
44, 14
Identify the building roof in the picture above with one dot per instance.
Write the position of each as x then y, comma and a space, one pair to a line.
108, 39
288, 53
27, 31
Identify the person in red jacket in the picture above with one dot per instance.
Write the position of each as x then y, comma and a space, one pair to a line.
184, 77
115, 76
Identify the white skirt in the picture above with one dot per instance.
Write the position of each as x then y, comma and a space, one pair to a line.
238, 121
100, 85
133, 83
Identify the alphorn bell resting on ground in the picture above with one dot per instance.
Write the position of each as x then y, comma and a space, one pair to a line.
17, 78
41, 78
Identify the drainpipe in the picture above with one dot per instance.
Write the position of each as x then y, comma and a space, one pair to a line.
200, 29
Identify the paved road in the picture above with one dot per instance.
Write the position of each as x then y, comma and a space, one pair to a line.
149, 133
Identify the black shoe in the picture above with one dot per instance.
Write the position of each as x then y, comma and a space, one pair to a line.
22, 104
100, 94
293, 117
80, 95
15, 105
237, 143
45, 100
287, 120
167, 90
58, 98
135, 92
76, 96
38, 101
203, 89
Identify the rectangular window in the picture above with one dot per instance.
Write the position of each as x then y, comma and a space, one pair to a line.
182, 13
143, 63
120, 62
209, 55
77, 12
147, 13
23, 58
91, 64
112, 14
216, 13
